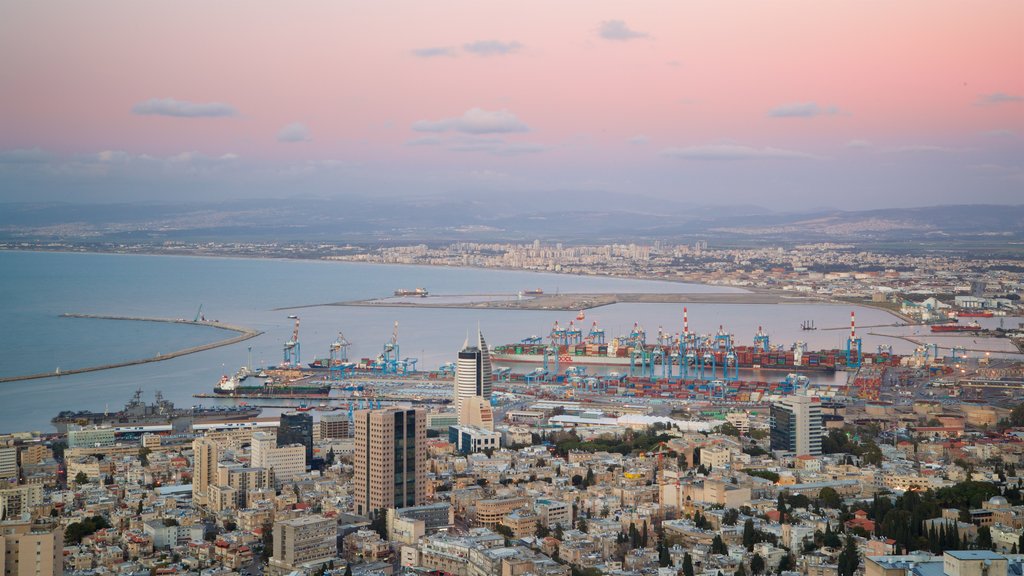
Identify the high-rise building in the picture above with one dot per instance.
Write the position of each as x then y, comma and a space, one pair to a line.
8, 463
285, 462
335, 426
796, 426
205, 454
30, 549
304, 542
390, 459
473, 381
296, 428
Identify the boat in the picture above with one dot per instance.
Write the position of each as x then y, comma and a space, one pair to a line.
581, 316
303, 408
162, 412
953, 327
293, 317
534, 292
421, 292
975, 314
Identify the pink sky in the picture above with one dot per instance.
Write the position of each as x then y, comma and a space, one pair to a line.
910, 84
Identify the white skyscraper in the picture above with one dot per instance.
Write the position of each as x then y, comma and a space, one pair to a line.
796, 425
473, 385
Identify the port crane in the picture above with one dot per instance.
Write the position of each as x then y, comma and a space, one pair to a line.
199, 314
338, 359
761, 341
292, 348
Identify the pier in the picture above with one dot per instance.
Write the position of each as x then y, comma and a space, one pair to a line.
572, 302
243, 334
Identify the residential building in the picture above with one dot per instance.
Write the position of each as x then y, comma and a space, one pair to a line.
796, 425
285, 462
304, 542
335, 426
205, 454
30, 549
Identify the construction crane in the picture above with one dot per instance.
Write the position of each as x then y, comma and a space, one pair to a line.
199, 314
292, 348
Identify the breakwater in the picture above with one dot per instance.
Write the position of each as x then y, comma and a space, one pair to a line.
242, 334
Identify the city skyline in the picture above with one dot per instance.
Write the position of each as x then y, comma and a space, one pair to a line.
792, 105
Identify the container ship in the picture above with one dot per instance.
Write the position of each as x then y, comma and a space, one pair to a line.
421, 292
975, 314
952, 327
137, 413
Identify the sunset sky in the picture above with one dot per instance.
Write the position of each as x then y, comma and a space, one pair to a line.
784, 104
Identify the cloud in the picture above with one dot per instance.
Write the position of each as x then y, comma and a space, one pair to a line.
920, 149
492, 47
733, 152
24, 156
618, 30
424, 141
434, 52
996, 98
638, 140
183, 109
294, 132
858, 144
806, 110
1000, 133
475, 121
496, 146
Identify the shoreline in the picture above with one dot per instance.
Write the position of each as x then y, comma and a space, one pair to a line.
243, 335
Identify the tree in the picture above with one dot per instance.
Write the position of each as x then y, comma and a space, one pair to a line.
379, 523
664, 558
829, 497
78, 530
788, 563
849, 558
581, 525
542, 531
81, 478
718, 545
730, 517
687, 565
504, 531
830, 539
144, 453
748, 534
589, 479
985, 538
329, 460
348, 569
741, 571
559, 531
267, 539
757, 564
605, 511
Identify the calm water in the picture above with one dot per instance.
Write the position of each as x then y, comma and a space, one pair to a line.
37, 287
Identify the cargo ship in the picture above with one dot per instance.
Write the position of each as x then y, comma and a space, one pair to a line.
137, 413
282, 386
325, 364
952, 327
421, 292
534, 292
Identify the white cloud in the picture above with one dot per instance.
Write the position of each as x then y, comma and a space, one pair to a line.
734, 152
920, 149
183, 109
618, 30
434, 52
638, 140
998, 98
424, 141
294, 132
475, 121
24, 156
802, 110
492, 47
858, 144
496, 146
1000, 133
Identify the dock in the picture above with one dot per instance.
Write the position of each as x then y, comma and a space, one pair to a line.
243, 334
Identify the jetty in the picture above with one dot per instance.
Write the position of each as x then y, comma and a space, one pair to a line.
242, 334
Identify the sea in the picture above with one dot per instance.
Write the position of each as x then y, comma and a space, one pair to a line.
37, 287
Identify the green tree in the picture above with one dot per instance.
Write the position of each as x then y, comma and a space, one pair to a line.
379, 523
267, 539
687, 565
788, 563
144, 453
581, 525
730, 517
664, 558
985, 538
504, 531
542, 531
849, 558
748, 534
829, 497
718, 545
77, 530
757, 564
741, 571
348, 569
81, 478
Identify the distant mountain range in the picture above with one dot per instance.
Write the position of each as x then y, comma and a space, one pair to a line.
572, 217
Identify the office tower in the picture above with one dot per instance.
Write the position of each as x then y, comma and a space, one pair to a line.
303, 542
285, 462
473, 381
31, 549
204, 468
296, 428
796, 426
390, 459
